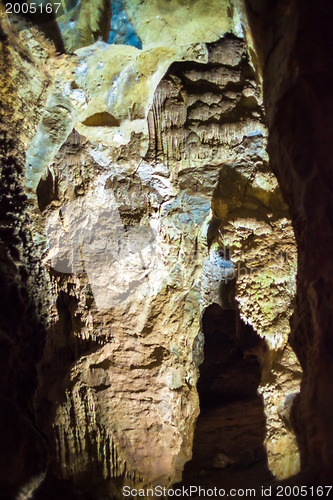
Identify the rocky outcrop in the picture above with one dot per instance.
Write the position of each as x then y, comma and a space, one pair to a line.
84, 23
125, 350
297, 74
152, 204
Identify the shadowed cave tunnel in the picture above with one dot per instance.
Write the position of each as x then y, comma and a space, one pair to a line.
301, 157
228, 443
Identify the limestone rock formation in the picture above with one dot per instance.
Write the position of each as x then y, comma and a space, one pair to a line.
148, 199
297, 78
24, 281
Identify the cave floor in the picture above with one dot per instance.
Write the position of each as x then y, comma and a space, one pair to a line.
233, 430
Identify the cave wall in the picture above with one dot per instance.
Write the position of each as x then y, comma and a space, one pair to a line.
293, 42
24, 282
123, 402
176, 160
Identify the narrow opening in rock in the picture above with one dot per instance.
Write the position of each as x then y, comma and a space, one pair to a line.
101, 120
229, 438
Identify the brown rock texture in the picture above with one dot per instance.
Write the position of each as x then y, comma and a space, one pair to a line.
151, 206
24, 281
293, 42
123, 402
86, 23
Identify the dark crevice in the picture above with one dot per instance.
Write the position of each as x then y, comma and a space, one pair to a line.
22, 318
101, 120
228, 444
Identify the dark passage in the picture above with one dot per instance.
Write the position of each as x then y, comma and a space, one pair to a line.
228, 449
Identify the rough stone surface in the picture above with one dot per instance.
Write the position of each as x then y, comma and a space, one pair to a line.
170, 189
293, 43
181, 22
24, 282
86, 23
147, 210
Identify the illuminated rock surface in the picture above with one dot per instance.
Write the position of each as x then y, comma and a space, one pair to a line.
153, 222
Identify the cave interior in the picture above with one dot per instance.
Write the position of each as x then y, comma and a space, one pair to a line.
166, 238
